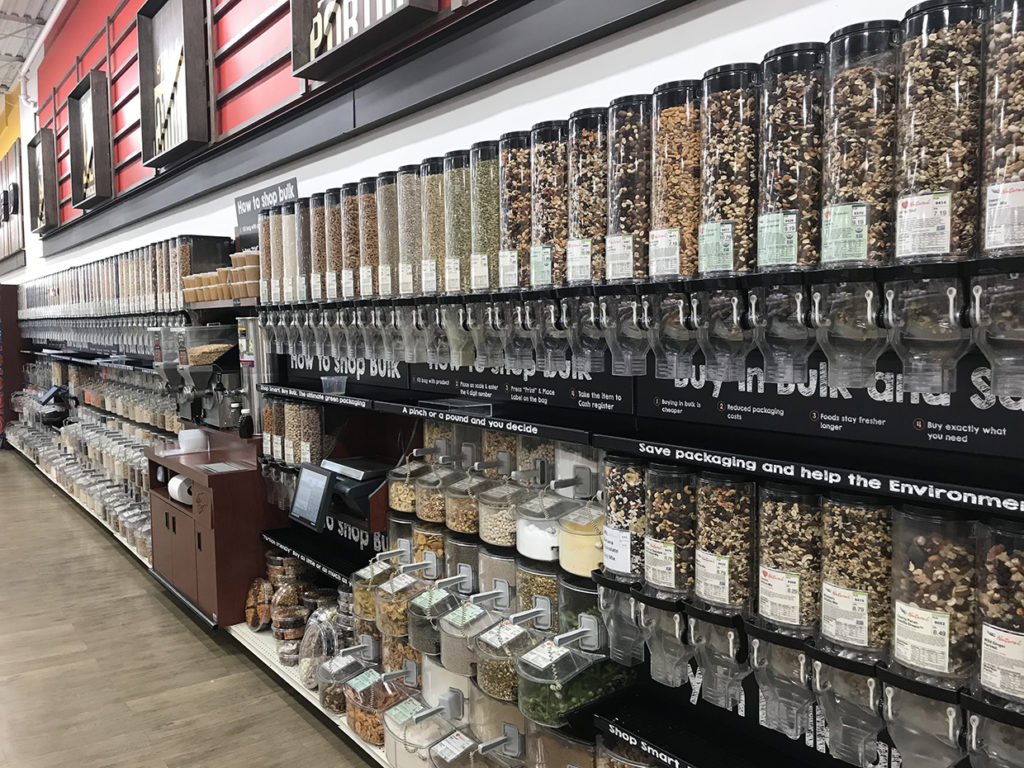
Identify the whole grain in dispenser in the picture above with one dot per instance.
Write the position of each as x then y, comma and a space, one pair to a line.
350, 240
485, 216
496, 508
789, 571
675, 180
671, 528
726, 541
460, 505
334, 244
859, 175
1003, 149
728, 238
276, 254
588, 195
311, 429
856, 575
1001, 607
537, 587
369, 249
303, 249
514, 181
549, 169
387, 233
317, 245
939, 131
162, 294
629, 188
424, 612
789, 200
432, 201
933, 583
410, 230
625, 523
402, 486
430, 488
457, 234
497, 650
289, 250
500, 448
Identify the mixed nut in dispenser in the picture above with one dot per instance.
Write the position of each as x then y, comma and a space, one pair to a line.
726, 534
625, 516
549, 203
588, 195
514, 183
629, 188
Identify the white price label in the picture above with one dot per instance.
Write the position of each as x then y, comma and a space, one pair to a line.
844, 615
305, 451
278, 448
712, 576
453, 747
508, 269
844, 233
264, 293
289, 451
619, 257
384, 280
777, 241
289, 288
578, 254
332, 285
715, 246
664, 252
617, 548
923, 224
545, 654
366, 282
921, 638
301, 289
660, 562
1004, 215
428, 276
275, 291
267, 444
540, 266
479, 278
1002, 661
348, 283
397, 584
316, 286
452, 276
406, 286
779, 596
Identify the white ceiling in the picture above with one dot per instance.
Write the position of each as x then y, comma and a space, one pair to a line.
21, 21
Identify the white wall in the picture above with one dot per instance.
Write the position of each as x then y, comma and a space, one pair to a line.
677, 45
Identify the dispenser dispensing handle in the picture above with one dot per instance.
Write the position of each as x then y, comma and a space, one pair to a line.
453, 581
524, 616
426, 714
889, 315
483, 597
413, 567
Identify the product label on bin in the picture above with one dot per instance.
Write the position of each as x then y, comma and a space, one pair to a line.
404, 710
616, 550
922, 224
361, 682
844, 614
844, 233
305, 451
348, 284
428, 276
540, 266
715, 248
370, 571
453, 747
921, 638
383, 279
289, 452
508, 269
397, 584
660, 562
464, 614
452, 275
301, 288
264, 292
777, 239
779, 595
332, 285
278, 448
315, 287
289, 288
267, 447
406, 286
501, 635
1002, 661
366, 281
430, 598
664, 253
577, 256
479, 278
275, 290
1004, 215
545, 654
712, 576
618, 257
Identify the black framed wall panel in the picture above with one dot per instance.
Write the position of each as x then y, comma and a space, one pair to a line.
42, 182
92, 176
173, 80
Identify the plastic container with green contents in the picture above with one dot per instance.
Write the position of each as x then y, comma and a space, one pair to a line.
424, 611
459, 629
392, 598
363, 583
402, 485
497, 650
554, 680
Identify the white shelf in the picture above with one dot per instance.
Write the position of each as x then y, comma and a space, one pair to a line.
264, 647
120, 539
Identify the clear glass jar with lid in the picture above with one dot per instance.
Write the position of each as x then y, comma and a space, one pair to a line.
425, 610
387, 234
303, 249
626, 516
457, 232
350, 288
579, 539
497, 513
549, 142
789, 548
331, 677
671, 528
369, 245
514, 199
459, 629
430, 491
537, 524
460, 503
432, 216
402, 485
726, 536
391, 599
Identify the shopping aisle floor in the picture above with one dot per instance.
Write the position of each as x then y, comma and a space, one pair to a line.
99, 668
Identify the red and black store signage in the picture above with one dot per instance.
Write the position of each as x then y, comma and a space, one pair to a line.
92, 175
42, 182
332, 39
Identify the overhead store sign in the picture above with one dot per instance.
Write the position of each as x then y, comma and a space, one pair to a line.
332, 39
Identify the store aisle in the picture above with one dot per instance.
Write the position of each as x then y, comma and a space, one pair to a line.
99, 668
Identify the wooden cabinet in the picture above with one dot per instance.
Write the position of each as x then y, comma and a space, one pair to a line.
211, 551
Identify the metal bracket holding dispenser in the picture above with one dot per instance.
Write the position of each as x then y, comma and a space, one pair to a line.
512, 742
545, 619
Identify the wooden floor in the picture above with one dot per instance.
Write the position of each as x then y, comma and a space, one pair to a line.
100, 668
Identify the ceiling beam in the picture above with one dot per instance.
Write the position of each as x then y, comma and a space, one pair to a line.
19, 18
7, 58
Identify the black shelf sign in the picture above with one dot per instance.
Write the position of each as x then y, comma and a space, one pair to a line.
92, 172
173, 86
331, 38
317, 397
486, 422
42, 182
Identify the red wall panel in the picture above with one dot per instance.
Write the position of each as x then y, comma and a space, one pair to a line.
127, 146
131, 175
277, 87
124, 84
242, 61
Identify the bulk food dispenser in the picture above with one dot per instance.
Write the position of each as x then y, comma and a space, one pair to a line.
779, 313
846, 309
211, 374
997, 316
